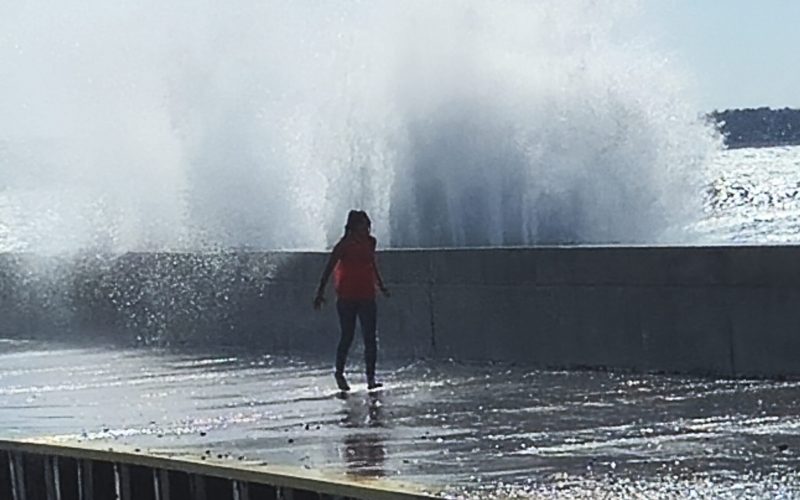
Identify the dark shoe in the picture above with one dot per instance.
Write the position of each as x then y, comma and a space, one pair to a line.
371, 385
341, 382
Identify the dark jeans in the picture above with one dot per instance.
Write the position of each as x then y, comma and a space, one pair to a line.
367, 314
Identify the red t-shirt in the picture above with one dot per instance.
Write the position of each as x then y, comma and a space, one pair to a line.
354, 275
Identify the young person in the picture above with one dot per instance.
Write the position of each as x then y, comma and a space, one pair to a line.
356, 277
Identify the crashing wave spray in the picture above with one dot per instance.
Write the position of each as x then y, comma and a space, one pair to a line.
258, 124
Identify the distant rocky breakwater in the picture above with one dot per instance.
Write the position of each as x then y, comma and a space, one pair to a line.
759, 127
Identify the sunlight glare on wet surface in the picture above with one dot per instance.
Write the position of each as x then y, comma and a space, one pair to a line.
473, 430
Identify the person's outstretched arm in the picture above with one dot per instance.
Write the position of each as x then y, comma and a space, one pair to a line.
336, 254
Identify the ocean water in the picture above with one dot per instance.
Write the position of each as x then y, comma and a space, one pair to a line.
453, 123
752, 196
746, 196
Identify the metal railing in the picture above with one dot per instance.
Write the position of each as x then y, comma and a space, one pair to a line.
31, 470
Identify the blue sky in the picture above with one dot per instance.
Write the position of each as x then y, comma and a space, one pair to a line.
740, 53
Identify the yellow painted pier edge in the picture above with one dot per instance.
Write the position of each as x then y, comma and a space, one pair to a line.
285, 482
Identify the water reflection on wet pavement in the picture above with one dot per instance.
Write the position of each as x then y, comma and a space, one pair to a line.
470, 430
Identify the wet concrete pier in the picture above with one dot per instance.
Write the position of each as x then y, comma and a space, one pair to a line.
458, 430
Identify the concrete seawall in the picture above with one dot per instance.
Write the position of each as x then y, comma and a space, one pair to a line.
730, 311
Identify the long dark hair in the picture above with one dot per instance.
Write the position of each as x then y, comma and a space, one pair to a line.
355, 218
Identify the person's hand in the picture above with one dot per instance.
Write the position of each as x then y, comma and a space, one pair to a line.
385, 291
319, 300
